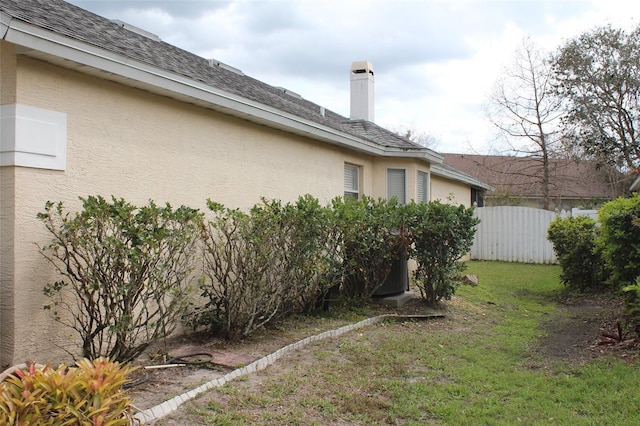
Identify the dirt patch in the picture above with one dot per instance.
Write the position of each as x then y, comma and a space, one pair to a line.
575, 333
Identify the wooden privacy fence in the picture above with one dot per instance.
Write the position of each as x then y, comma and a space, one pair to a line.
516, 234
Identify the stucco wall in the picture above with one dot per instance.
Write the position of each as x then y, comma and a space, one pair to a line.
139, 146
7, 244
448, 191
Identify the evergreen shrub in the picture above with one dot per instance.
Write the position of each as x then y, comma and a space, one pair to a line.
372, 238
439, 236
259, 266
574, 242
618, 241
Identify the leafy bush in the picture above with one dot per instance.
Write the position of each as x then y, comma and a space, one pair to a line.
618, 242
440, 234
260, 265
125, 272
311, 252
631, 299
573, 240
372, 238
88, 394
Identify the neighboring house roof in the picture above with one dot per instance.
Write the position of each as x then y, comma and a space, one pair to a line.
521, 176
61, 33
444, 169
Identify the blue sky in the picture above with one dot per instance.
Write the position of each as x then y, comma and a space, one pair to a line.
435, 61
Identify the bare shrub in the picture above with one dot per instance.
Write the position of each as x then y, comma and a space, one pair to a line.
124, 272
268, 263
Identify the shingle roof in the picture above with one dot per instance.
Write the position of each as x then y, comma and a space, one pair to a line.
569, 179
74, 22
450, 171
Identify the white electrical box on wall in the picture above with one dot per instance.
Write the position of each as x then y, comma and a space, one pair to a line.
33, 137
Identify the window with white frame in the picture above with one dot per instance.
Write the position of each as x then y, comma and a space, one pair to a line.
397, 185
422, 194
351, 181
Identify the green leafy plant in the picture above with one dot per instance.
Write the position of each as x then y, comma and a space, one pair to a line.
619, 245
239, 268
439, 234
125, 272
618, 241
88, 394
573, 240
278, 259
258, 266
373, 237
310, 250
631, 299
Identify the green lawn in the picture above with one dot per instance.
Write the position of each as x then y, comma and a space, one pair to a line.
478, 366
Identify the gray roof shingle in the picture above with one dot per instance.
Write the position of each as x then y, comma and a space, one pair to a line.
64, 18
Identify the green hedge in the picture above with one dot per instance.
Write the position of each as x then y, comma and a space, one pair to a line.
259, 266
126, 270
618, 241
440, 234
573, 240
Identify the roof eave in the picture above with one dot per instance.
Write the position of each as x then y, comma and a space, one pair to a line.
424, 154
47, 45
5, 21
460, 177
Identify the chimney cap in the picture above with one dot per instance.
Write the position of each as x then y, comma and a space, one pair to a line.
362, 67
362, 91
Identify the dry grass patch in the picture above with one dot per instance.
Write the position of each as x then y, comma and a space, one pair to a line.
472, 367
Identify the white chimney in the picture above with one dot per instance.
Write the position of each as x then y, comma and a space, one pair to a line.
362, 91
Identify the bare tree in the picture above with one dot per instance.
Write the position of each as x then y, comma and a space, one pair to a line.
526, 112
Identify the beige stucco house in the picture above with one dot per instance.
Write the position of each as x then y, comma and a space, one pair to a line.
89, 106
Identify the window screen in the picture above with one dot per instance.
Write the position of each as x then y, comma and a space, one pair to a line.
396, 185
423, 187
351, 181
